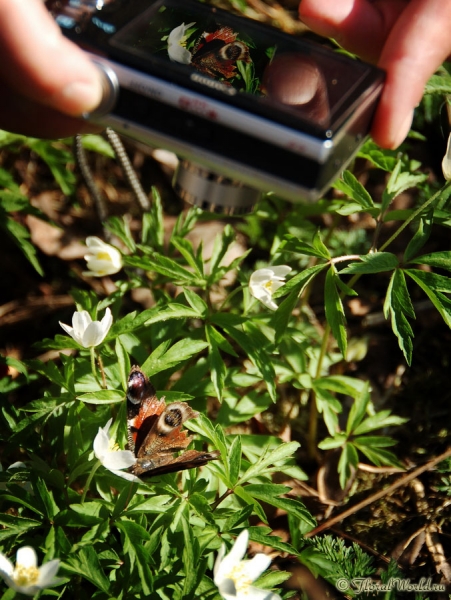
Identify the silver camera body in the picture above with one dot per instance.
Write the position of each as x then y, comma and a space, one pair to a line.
246, 108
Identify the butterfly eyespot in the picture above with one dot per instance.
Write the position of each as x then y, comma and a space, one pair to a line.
173, 418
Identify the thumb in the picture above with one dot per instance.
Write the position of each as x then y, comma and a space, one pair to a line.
39, 63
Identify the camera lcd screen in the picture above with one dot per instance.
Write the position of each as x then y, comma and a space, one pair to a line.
277, 72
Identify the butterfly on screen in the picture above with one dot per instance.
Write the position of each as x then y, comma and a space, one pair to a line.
155, 430
216, 53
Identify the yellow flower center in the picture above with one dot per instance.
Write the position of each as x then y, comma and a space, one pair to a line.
268, 286
113, 446
240, 579
25, 576
103, 255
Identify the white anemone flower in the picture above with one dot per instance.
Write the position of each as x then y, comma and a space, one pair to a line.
85, 331
176, 44
446, 162
26, 577
264, 282
102, 259
111, 457
233, 576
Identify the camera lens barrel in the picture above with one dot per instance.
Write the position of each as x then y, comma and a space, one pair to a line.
209, 191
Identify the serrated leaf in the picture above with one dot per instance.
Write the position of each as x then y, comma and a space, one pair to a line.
377, 262
257, 354
438, 84
290, 243
334, 310
186, 250
102, 397
21, 236
349, 460
180, 352
441, 302
195, 301
350, 186
397, 305
97, 143
420, 238
268, 458
441, 260
258, 510
85, 562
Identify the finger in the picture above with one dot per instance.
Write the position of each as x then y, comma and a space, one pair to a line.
21, 115
360, 26
417, 45
38, 62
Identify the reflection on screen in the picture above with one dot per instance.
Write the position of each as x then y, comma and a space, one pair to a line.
277, 75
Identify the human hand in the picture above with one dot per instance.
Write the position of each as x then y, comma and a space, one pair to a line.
46, 81
408, 39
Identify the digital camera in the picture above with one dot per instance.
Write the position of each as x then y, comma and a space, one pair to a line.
245, 107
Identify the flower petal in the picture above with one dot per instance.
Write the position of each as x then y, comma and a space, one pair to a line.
92, 335
47, 574
256, 566
281, 270
101, 443
258, 594
26, 557
118, 459
232, 559
128, 476
446, 162
80, 321
107, 321
6, 566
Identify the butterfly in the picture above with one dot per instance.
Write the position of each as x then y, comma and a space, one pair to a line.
216, 53
155, 430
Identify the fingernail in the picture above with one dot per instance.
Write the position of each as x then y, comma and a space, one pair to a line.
80, 97
401, 133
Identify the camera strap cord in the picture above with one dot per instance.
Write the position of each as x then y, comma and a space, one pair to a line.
127, 168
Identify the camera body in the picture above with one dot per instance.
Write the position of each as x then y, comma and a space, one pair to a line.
245, 107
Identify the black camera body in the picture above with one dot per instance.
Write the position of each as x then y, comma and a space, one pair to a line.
245, 107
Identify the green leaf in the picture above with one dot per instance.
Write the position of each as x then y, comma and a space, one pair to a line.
271, 494
358, 409
120, 227
102, 397
180, 352
290, 243
269, 457
165, 266
186, 250
398, 306
85, 563
432, 284
97, 143
21, 235
218, 369
441, 260
196, 302
234, 460
299, 282
421, 236
14, 525
220, 247
123, 361
334, 310
257, 354
438, 84
377, 262
349, 460
258, 510
350, 186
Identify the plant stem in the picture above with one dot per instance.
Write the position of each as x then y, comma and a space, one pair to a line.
93, 362
88, 481
313, 417
414, 215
